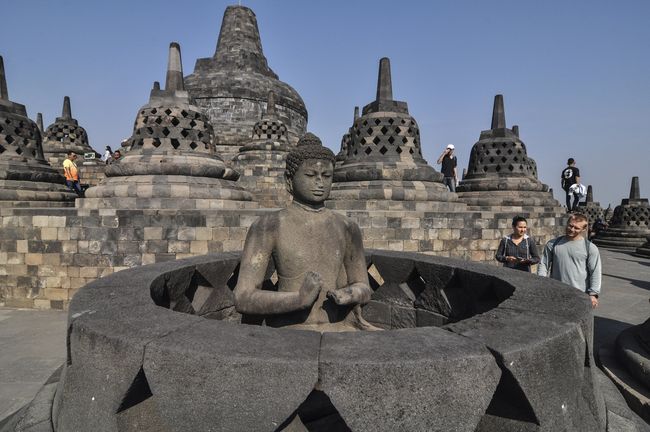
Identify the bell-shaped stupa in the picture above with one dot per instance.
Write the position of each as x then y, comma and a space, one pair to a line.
591, 208
630, 224
261, 162
172, 161
232, 86
66, 135
383, 167
500, 173
26, 179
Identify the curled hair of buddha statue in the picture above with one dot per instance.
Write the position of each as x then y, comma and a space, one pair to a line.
309, 147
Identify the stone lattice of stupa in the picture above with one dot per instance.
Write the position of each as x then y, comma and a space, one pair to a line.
172, 161
66, 135
384, 168
261, 162
232, 86
591, 208
500, 173
26, 179
630, 224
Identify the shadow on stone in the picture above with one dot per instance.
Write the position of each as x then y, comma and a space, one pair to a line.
315, 414
510, 401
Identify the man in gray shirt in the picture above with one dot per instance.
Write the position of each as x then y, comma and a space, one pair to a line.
573, 259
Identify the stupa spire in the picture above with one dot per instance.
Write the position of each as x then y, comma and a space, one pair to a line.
384, 82
67, 111
498, 113
356, 112
590, 194
515, 130
174, 80
4, 93
635, 190
270, 105
39, 121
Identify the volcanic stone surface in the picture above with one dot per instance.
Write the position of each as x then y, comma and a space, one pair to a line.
630, 224
383, 158
232, 86
515, 355
500, 173
172, 161
26, 179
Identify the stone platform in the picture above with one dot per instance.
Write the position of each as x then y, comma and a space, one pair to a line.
467, 373
624, 303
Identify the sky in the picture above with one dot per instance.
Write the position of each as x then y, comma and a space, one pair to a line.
575, 75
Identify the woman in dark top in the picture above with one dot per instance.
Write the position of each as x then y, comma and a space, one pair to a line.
518, 251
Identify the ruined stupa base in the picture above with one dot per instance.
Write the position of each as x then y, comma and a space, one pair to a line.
644, 249
167, 192
621, 238
498, 198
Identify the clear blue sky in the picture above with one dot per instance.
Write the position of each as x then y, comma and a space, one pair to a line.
575, 75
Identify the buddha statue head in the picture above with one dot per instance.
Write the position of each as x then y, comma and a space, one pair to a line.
309, 171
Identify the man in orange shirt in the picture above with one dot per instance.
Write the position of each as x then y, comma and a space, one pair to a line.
72, 174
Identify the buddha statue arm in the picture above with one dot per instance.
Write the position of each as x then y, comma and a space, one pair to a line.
249, 298
358, 290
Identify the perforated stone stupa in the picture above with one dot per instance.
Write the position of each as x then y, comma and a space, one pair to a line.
261, 162
384, 168
65, 135
500, 173
630, 224
590, 208
26, 179
232, 86
172, 161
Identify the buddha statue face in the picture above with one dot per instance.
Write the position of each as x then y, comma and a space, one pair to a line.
312, 182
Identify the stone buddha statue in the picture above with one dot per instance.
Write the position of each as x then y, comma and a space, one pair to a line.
318, 254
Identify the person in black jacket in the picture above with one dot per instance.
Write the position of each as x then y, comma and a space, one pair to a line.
570, 176
518, 250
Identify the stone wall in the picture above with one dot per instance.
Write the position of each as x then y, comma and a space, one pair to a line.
46, 255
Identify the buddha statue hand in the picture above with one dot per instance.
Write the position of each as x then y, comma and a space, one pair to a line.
342, 296
310, 289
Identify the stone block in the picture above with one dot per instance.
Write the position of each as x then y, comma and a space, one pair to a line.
542, 381
367, 381
153, 233
49, 233
33, 259
21, 246
178, 246
271, 371
199, 247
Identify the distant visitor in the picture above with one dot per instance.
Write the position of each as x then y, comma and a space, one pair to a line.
448, 169
570, 177
71, 173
